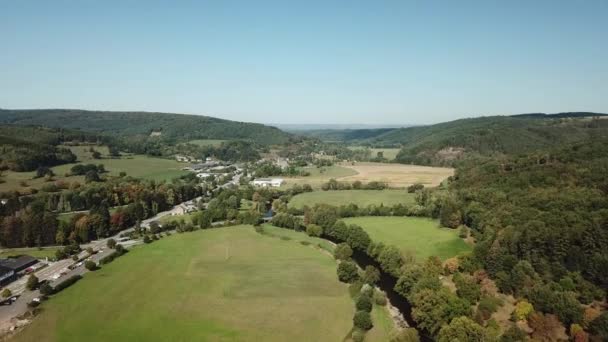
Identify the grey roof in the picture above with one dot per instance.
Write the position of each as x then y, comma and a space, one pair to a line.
18, 263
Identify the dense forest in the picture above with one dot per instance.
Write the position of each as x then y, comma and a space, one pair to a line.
174, 126
30, 147
549, 209
445, 143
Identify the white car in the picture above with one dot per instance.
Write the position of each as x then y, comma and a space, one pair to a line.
55, 276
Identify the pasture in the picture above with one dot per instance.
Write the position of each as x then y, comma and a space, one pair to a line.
420, 237
397, 175
228, 284
361, 198
138, 166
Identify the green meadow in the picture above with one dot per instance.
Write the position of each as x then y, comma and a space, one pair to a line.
134, 165
227, 284
421, 237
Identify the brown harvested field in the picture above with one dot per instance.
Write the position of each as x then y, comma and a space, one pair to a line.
397, 175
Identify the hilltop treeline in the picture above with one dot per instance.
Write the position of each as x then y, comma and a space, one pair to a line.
173, 126
28, 148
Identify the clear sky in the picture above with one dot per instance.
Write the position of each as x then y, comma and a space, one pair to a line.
375, 62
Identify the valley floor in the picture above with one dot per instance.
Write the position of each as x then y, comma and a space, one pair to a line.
221, 284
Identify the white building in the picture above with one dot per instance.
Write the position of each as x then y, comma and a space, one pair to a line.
265, 182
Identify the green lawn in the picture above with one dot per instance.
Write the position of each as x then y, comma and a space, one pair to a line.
318, 176
227, 284
362, 198
207, 142
35, 252
421, 237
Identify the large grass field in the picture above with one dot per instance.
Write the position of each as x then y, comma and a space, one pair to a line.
318, 176
362, 198
228, 284
421, 237
134, 165
397, 175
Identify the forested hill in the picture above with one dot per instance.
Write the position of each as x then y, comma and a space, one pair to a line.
444, 143
173, 126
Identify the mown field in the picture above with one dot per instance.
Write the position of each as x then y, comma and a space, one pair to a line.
318, 176
362, 198
228, 284
421, 237
134, 165
397, 175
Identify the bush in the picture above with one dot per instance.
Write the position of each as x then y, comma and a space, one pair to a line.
362, 320
314, 230
364, 303
6, 293
109, 258
343, 252
32, 283
66, 283
111, 243
371, 275
90, 265
46, 289
347, 272
380, 298
120, 249
147, 239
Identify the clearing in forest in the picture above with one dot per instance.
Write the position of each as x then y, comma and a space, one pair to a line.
417, 236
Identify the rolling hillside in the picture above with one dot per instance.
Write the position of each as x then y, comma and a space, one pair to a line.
174, 126
443, 143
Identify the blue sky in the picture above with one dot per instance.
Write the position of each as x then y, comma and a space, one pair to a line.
374, 62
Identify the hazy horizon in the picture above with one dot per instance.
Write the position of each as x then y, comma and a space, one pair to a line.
393, 63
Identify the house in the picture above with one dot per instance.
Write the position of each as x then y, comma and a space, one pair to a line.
266, 182
18, 264
183, 209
